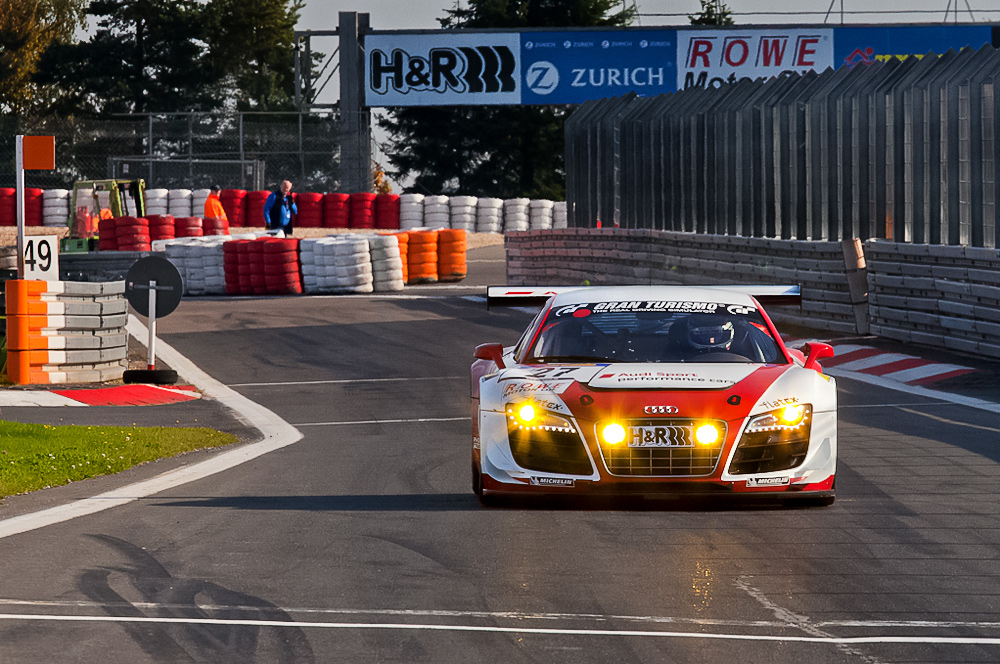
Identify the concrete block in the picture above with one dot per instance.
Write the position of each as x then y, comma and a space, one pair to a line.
988, 292
956, 287
989, 350
945, 251
961, 344
987, 313
957, 309
927, 338
958, 324
988, 329
988, 277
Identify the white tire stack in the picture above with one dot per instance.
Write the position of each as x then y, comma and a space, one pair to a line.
387, 264
200, 262
489, 215
198, 198
336, 264
540, 215
179, 202
411, 211
515, 214
436, 212
560, 215
55, 207
156, 202
463, 212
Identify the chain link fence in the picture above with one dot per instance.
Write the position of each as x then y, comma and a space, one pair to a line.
185, 150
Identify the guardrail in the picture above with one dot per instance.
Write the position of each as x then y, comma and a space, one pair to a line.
65, 332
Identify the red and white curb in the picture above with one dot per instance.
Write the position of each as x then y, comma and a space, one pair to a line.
897, 367
120, 395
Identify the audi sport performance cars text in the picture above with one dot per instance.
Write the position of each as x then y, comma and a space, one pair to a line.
653, 390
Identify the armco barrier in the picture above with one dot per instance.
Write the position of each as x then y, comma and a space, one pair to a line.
936, 295
826, 271
65, 332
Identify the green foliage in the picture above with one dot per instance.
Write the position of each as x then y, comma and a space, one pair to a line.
35, 456
502, 151
713, 12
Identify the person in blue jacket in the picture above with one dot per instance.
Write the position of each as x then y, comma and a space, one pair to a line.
279, 208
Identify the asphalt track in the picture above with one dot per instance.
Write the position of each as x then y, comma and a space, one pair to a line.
362, 542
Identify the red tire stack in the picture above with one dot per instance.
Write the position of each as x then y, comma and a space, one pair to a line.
161, 227
188, 227
233, 203
362, 210
8, 207
132, 234
107, 236
255, 267
243, 252
336, 210
215, 226
231, 266
310, 213
32, 207
282, 273
253, 209
387, 211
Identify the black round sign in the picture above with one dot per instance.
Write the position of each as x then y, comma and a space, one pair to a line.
169, 287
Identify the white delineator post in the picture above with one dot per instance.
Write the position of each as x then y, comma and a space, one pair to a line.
19, 180
151, 359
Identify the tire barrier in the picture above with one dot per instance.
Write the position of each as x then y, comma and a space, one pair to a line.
515, 214
260, 266
943, 296
310, 214
489, 215
215, 226
540, 215
55, 207
253, 208
233, 203
387, 211
387, 263
198, 198
436, 212
65, 332
188, 227
8, 258
282, 274
107, 235
462, 212
33, 207
451, 249
403, 243
362, 210
156, 202
161, 227
131, 234
422, 256
411, 211
336, 210
560, 215
179, 203
336, 264
200, 263
8, 206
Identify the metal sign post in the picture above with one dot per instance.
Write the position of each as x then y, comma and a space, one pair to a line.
163, 288
33, 153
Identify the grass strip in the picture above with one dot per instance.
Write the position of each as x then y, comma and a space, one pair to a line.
38, 456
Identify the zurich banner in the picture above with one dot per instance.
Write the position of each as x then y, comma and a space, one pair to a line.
573, 66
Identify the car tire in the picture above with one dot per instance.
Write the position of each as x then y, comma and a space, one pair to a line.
817, 501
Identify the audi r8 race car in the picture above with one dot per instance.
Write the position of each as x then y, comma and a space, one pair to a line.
653, 390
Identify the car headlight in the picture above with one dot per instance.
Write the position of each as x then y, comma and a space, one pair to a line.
788, 418
531, 416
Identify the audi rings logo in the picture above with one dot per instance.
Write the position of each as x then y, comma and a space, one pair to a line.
542, 78
661, 410
452, 69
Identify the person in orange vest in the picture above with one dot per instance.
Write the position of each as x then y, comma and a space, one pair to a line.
213, 206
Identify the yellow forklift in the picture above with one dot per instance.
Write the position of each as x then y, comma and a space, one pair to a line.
93, 200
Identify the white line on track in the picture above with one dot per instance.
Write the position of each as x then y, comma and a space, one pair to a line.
277, 434
915, 390
947, 421
785, 638
407, 379
894, 405
416, 420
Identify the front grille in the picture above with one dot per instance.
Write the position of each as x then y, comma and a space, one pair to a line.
691, 460
549, 451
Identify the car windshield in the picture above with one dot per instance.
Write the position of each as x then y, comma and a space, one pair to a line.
642, 331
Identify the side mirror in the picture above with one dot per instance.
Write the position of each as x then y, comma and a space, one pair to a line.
815, 352
493, 352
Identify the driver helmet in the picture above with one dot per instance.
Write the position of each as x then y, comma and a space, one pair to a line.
705, 333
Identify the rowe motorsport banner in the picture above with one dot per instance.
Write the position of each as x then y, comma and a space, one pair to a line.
450, 68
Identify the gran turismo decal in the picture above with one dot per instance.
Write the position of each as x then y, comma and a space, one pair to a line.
552, 481
588, 308
768, 481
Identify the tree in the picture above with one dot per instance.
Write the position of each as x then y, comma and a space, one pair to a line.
497, 151
713, 12
27, 29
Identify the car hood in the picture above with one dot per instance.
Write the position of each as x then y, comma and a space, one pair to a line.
687, 376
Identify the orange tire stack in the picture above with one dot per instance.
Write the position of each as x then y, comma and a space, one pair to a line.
452, 245
422, 257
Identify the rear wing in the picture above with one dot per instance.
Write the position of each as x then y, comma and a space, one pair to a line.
519, 296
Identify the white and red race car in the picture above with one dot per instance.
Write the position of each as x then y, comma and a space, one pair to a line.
653, 390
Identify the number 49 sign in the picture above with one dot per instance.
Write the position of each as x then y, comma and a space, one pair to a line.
41, 257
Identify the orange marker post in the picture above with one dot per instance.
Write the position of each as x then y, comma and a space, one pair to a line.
33, 153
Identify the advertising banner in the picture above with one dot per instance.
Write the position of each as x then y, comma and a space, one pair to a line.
866, 45
443, 69
571, 67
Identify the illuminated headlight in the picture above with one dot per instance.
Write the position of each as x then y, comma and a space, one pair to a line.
788, 418
531, 417
613, 433
707, 434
